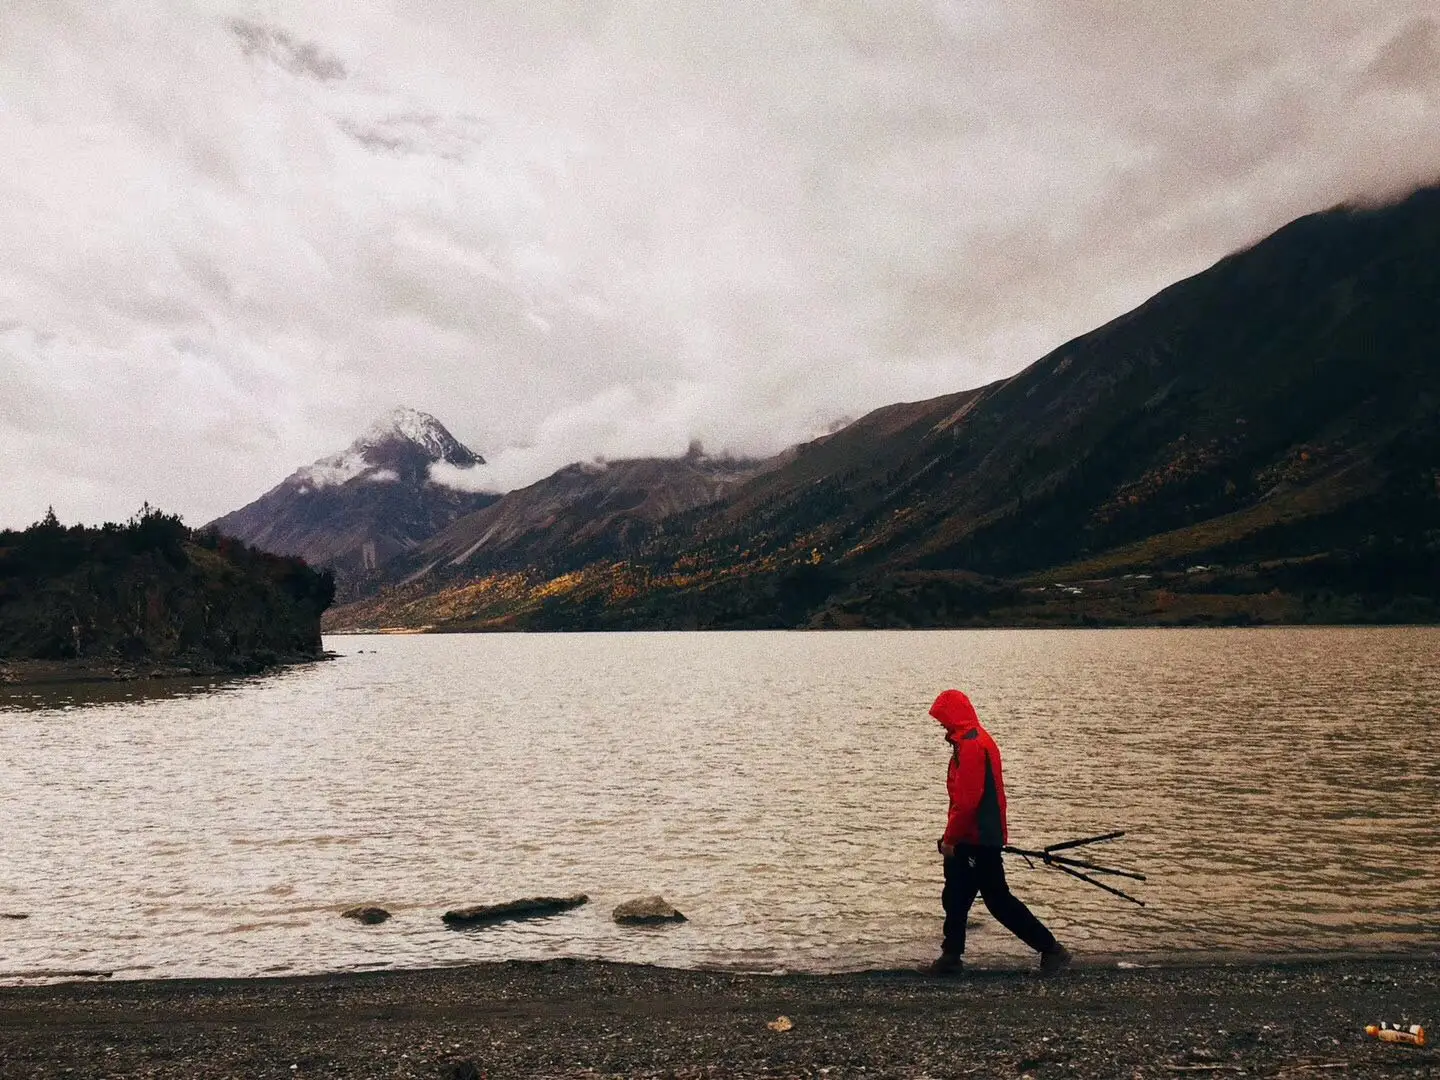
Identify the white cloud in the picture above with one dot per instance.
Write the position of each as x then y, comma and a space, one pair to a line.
232, 233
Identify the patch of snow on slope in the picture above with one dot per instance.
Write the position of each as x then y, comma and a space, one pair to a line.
335, 470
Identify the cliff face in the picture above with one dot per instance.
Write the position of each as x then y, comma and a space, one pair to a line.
154, 592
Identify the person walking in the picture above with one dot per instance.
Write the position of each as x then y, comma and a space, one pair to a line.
974, 834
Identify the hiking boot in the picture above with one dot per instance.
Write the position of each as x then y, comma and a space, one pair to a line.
946, 964
1054, 961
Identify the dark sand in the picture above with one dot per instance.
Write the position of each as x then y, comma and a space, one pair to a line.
580, 1018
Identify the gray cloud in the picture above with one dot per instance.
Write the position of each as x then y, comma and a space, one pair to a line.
1410, 61
233, 233
454, 138
280, 47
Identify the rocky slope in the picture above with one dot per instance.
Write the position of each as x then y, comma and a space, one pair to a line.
519, 550
586, 511
1260, 442
356, 510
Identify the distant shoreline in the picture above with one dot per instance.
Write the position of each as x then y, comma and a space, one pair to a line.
442, 630
571, 1018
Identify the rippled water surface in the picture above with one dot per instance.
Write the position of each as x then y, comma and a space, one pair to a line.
784, 790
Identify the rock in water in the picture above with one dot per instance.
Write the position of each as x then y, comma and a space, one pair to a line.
367, 915
532, 907
646, 911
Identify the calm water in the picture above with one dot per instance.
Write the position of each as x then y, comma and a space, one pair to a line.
783, 790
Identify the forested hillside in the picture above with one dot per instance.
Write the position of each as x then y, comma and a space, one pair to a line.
153, 592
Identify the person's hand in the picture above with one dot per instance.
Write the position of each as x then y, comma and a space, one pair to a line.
948, 850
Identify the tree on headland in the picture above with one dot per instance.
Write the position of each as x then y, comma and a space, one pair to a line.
153, 589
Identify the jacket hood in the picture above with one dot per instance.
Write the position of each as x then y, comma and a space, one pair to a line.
955, 713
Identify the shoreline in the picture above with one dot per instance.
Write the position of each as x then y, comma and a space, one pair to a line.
463, 627
1179, 961
112, 670
572, 1018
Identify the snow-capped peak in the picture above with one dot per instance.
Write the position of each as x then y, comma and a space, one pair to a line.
420, 429
389, 446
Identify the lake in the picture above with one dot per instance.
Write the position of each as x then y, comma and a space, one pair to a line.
784, 790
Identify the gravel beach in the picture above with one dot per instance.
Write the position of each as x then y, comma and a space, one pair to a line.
585, 1019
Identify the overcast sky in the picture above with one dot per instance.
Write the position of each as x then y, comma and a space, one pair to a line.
233, 233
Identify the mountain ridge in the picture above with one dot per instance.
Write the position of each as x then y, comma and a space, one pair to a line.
581, 510
1275, 413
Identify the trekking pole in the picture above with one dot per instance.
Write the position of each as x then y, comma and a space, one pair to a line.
1094, 868
1098, 884
1064, 844
1068, 864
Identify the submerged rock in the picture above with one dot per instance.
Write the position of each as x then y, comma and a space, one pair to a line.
645, 911
532, 907
367, 914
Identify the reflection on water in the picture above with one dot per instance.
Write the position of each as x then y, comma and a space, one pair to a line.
77, 695
783, 790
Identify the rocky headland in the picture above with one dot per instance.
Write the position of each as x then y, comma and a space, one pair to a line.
150, 599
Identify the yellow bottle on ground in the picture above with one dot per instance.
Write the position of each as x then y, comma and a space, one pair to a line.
1414, 1035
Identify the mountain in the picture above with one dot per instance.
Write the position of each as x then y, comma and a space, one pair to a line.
1260, 442
602, 513
355, 510
1284, 402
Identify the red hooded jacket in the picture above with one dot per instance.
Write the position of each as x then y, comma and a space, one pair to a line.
977, 791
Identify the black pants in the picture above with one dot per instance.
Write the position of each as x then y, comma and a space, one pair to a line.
979, 869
